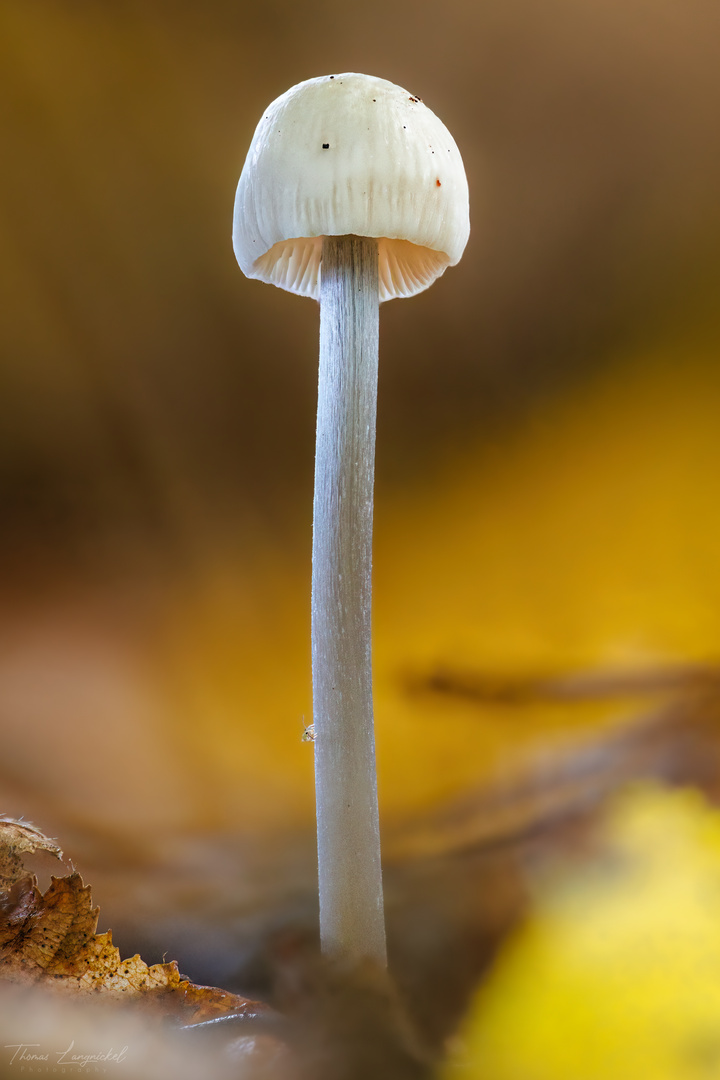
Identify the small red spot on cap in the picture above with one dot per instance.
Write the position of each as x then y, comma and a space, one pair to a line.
438, 184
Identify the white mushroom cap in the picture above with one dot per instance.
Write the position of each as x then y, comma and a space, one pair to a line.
351, 154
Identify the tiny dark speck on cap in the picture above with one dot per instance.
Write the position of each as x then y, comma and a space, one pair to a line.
326, 146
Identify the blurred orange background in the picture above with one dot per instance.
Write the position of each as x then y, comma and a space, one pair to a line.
548, 436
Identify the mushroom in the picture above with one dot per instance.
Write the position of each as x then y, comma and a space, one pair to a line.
352, 192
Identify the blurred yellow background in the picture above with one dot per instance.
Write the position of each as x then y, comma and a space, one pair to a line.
548, 436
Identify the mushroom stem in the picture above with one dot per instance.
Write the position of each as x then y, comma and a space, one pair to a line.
350, 879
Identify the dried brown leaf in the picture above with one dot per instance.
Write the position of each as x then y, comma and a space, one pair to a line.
50, 940
18, 838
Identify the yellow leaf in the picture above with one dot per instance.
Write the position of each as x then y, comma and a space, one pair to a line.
616, 975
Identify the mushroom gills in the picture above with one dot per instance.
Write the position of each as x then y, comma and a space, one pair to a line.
404, 268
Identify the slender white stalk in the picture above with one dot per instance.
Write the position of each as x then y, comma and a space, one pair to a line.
350, 880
